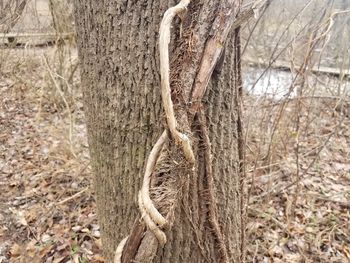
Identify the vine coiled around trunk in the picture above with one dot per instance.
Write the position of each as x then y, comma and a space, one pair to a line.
151, 216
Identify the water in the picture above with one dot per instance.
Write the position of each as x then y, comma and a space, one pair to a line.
273, 83
278, 84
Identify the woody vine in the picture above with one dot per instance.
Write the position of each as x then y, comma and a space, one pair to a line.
174, 135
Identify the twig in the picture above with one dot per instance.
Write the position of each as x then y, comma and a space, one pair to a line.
276, 221
327, 199
61, 93
279, 187
73, 196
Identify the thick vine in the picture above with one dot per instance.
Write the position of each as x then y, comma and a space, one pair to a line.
225, 22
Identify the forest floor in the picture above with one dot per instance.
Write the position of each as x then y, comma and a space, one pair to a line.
298, 173
47, 211
299, 179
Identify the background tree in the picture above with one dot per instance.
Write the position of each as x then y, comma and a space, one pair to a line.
204, 206
10, 12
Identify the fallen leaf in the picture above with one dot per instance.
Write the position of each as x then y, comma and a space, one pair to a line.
99, 258
15, 250
58, 260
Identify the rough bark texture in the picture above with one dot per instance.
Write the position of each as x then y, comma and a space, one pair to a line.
117, 42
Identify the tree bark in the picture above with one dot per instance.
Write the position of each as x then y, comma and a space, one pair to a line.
118, 50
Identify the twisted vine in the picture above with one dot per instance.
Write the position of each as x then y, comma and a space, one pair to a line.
223, 24
151, 216
164, 40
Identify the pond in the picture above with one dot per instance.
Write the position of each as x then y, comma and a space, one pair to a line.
278, 84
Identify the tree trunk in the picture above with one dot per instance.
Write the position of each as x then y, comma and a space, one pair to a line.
119, 56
